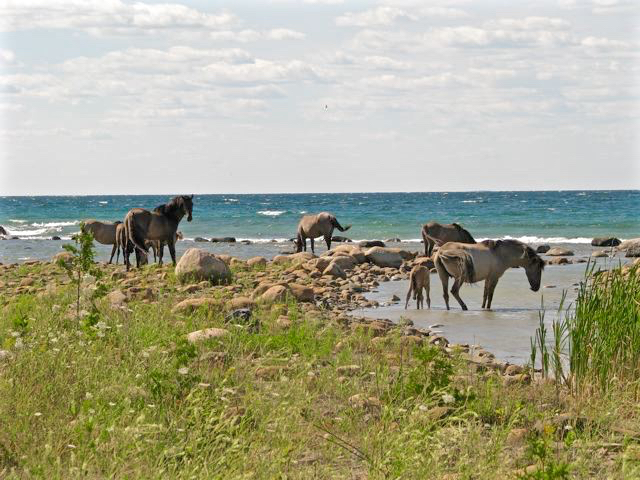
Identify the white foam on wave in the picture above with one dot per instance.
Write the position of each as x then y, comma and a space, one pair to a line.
26, 233
536, 239
54, 224
17, 220
272, 213
103, 203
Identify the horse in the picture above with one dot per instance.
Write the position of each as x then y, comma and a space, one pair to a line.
434, 233
121, 241
103, 232
314, 226
161, 224
486, 261
419, 280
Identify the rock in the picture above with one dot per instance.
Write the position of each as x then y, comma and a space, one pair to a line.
240, 302
27, 282
294, 258
354, 250
514, 370
276, 293
348, 370
520, 378
338, 238
225, 258
191, 304
395, 298
200, 239
335, 271
241, 314
223, 240
256, 261
3, 231
632, 243
321, 263
371, 243
65, 257
207, 333
384, 257
197, 265
345, 262
283, 322
557, 261
632, 252
517, 437
360, 400
55, 237
301, 293
605, 242
236, 262
559, 252
117, 298
393, 240
599, 254
543, 248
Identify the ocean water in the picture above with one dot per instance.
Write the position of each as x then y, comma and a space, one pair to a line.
572, 217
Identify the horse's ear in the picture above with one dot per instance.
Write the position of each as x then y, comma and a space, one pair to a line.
192, 196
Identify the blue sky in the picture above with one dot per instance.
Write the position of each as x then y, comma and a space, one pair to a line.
109, 96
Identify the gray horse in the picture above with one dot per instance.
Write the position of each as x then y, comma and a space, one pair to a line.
314, 226
103, 232
434, 233
161, 224
486, 261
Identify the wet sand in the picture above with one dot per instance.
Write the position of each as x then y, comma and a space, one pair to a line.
506, 330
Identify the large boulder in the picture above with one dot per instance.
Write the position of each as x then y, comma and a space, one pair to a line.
346, 262
223, 240
543, 248
559, 252
294, 258
632, 243
353, 250
384, 257
605, 242
65, 257
206, 334
371, 243
301, 293
277, 293
257, 261
191, 304
338, 238
334, 270
3, 231
197, 265
405, 254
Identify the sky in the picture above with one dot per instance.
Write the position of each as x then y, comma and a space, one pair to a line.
119, 97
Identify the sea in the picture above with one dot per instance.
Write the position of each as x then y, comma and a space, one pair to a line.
269, 221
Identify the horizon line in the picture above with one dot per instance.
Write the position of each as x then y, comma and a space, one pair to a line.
325, 193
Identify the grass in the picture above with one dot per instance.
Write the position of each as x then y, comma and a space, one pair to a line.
125, 396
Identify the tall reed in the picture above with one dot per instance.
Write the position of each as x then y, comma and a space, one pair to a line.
600, 337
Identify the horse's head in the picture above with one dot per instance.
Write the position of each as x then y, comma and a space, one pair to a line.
298, 243
533, 266
187, 205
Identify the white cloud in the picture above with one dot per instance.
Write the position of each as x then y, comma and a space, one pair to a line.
106, 16
6, 56
284, 34
599, 42
377, 16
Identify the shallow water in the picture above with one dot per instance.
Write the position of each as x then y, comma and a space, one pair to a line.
506, 330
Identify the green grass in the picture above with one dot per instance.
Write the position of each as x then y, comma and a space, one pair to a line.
125, 396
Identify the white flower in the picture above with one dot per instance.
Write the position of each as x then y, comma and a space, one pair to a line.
37, 414
447, 398
183, 370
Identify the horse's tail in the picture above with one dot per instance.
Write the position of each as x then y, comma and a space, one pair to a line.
131, 235
336, 224
414, 284
464, 262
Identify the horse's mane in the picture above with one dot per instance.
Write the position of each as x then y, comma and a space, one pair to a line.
467, 237
512, 242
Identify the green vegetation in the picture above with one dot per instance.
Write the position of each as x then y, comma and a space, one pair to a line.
302, 396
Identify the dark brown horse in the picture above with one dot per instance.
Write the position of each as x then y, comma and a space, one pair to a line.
434, 233
159, 225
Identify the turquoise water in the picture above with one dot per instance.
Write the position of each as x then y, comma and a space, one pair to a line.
575, 216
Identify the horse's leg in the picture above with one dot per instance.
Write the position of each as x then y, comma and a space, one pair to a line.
486, 291
113, 251
304, 243
125, 255
444, 278
492, 289
455, 288
172, 251
426, 289
327, 239
419, 299
406, 304
313, 245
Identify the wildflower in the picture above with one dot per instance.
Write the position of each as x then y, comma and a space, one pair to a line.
448, 398
183, 370
37, 414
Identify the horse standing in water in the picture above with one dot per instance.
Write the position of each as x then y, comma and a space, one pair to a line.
434, 233
486, 261
159, 225
314, 226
